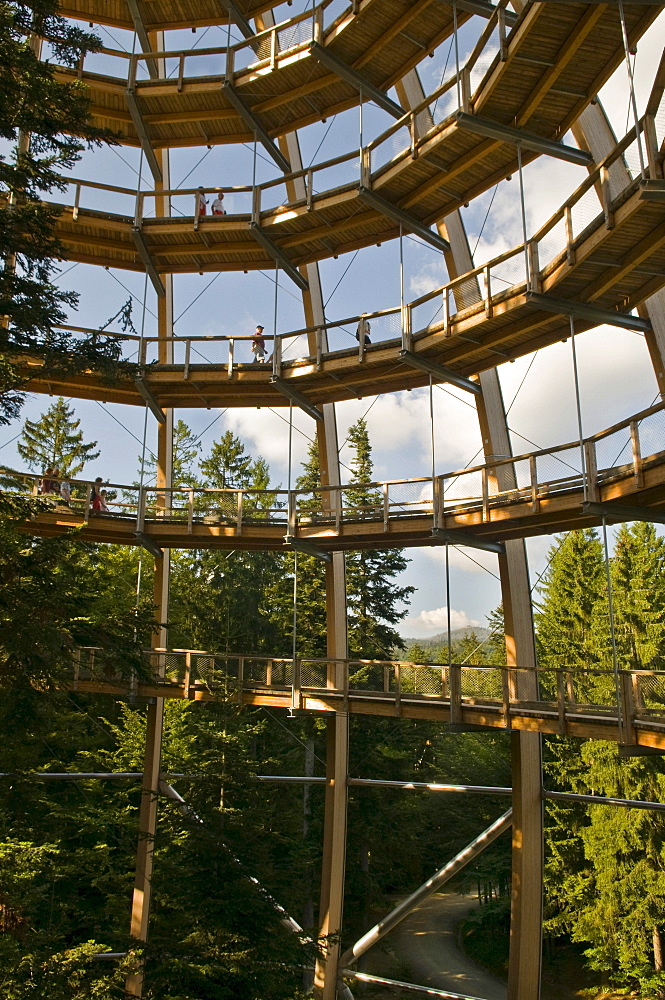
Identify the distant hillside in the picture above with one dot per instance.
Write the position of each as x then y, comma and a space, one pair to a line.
442, 638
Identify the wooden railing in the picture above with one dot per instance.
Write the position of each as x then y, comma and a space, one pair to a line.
628, 700
619, 453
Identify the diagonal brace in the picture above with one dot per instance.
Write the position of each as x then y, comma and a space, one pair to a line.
139, 125
253, 123
142, 34
278, 255
455, 537
296, 396
585, 310
403, 218
439, 372
150, 399
520, 137
331, 62
148, 544
237, 18
144, 254
623, 512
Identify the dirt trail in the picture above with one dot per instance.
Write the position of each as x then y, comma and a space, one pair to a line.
427, 942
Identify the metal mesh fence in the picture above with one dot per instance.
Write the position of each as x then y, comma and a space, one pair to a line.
481, 682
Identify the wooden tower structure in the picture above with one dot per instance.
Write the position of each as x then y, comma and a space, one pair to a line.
532, 75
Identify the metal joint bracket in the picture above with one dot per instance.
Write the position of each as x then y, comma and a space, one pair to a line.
148, 544
598, 316
254, 124
439, 372
296, 396
454, 537
402, 218
520, 137
152, 403
278, 256
307, 548
623, 512
144, 254
331, 62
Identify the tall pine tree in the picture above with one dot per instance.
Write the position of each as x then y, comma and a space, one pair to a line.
56, 441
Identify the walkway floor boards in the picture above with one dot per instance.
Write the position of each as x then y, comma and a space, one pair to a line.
613, 268
160, 15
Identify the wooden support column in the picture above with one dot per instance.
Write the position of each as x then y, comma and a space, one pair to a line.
527, 855
142, 894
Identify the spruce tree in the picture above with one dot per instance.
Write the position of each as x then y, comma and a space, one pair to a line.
56, 441
638, 583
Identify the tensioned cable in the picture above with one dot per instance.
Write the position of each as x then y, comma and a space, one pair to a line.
111, 415
135, 297
196, 298
332, 122
341, 279
195, 167
521, 383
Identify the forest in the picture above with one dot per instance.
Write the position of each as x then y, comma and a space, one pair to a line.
68, 846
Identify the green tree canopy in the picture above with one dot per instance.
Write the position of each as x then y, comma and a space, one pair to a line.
56, 441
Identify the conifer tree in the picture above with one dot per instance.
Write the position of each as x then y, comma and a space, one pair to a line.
638, 583
56, 441
185, 450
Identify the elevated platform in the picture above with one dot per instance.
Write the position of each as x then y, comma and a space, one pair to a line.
595, 270
570, 702
301, 71
538, 493
161, 15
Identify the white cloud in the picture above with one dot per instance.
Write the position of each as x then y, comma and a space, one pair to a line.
436, 620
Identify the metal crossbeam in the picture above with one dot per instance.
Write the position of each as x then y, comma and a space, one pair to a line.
153, 405
139, 125
278, 256
403, 218
307, 548
520, 137
652, 190
454, 537
254, 124
439, 372
144, 254
148, 544
296, 396
483, 8
237, 18
568, 307
331, 62
623, 512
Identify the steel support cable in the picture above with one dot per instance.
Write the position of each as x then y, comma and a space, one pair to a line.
631, 84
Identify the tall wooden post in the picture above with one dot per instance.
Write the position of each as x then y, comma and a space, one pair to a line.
527, 859
142, 893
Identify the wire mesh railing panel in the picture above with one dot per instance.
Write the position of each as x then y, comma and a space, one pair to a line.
313, 674
651, 432
294, 348
374, 677
440, 109
650, 693
632, 158
334, 10
361, 503
481, 683
337, 175
484, 60
427, 314
508, 272
469, 291
465, 488
591, 688
392, 146
552, 244
384, 328
409, 498
559, 471
295, 34
425, 680
614, 450
585, 211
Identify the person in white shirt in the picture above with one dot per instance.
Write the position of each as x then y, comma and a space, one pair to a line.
218, 205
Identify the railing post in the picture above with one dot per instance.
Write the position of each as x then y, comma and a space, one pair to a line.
296, 692
533, 277
88, 499
241, 678
446, 311
188, 674
230, 361
486, 493
637, 456
140, 508
413, 130
533, 475
626, 719
292, 513
269, 673
465, 81
561, 701
386, 508
488, 293
398, 690
273, 48
190, 511
505, 697
319, 347
188, 349
277, 356
407, 332
455, 685
366, 167
568, 220
386, 679
590, 461
230, 62
503, 47
77, 199
651, 143
239, 513
181, 71
317, 24
606, 197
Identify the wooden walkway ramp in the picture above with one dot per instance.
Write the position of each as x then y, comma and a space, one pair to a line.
593, 262
628, 708
435, 173
160, 15
623, 478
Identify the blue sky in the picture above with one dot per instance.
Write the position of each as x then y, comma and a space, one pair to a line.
615, 372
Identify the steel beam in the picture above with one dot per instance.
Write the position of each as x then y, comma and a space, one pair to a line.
139, 125
254, 124
402, 910
307, 548
568, 307
364, 86
439, 372
144, 254
482, 8
142, 35
237, 18
148, 544
431, 991
520, 137
297, 397
454, 537
278, 256
153, 405
403, 218
623, 512
652, 190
